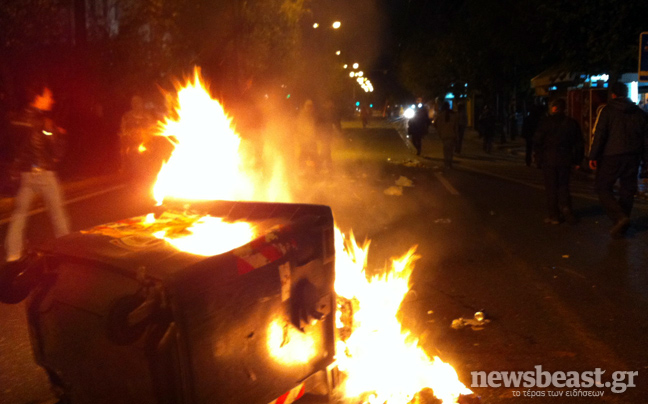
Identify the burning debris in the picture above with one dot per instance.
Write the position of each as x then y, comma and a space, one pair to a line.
477, 323
379, 361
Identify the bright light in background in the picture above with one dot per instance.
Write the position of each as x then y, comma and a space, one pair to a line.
420, 105
634, 91
315, 25
351, 74
409, 113
355, 65
345, 66
338, 53
337, 24
360, 73
600, 77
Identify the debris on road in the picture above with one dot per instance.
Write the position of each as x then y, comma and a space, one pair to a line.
394, 191
404, 182
408, 163
477, 323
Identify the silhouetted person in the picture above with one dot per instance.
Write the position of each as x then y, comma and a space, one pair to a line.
447, 126
529, 127
418, 126
620, 143
463, 124
487, 128
365, 115
137, 127
307, 137
39, 149
558, 145
329, 123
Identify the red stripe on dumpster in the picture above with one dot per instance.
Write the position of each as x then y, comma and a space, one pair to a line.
243, 267
271, 252
291, 396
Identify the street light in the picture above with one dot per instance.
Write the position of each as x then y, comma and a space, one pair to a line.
338, 53
337, 24
355, 65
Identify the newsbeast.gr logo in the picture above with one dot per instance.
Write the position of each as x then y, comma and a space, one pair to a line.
539, 378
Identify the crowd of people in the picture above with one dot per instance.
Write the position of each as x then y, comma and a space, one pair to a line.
554, 142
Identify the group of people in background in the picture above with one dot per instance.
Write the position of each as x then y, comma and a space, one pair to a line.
555, 143
449, 125
617, 150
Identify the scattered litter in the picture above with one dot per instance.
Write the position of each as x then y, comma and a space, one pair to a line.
566, 256
394, 191
444, 220
408, 163
477, 323
404, 182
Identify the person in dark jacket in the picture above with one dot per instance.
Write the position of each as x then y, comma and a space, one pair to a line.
529, 127
558, 145
418, 126
620, 143
447, 126
487, 128
39, 149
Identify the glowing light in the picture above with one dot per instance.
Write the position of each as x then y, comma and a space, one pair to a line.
409, 113
289, 346
345, 66
381, 362
355, 65
338, 53
634, 92
336, 25
316, 25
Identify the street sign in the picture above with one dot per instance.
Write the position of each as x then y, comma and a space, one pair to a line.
643, 57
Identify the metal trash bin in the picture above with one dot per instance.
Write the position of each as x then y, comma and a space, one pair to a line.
133, 320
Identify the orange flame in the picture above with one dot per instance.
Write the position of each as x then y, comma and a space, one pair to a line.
383, 363
206, 164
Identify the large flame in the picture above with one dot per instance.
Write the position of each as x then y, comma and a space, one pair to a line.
205, 163
381, 363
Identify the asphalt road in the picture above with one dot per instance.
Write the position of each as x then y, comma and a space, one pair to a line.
565, 297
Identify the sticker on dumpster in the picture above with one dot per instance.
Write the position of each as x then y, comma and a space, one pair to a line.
291, 396
284, 276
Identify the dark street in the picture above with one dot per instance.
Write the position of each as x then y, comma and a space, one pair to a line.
566, 297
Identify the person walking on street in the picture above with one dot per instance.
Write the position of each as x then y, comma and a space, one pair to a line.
39, 149
558, 144
529, 127
447, 126
137, 126
620, 143
463, 124
487, 128
418, 126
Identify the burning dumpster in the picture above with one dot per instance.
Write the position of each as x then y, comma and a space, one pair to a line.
120, 315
